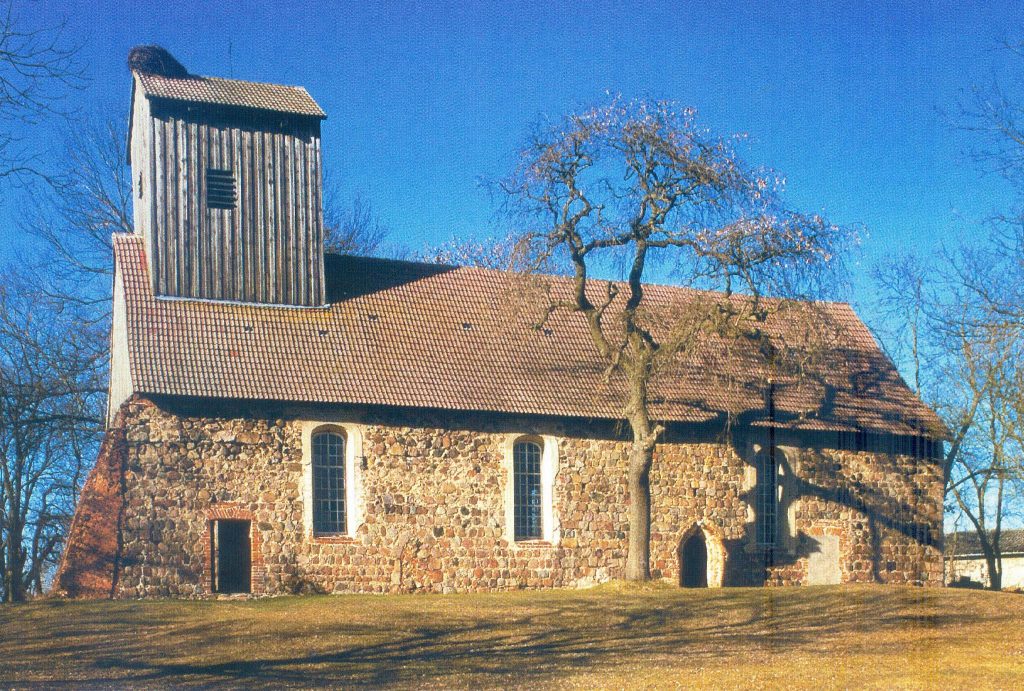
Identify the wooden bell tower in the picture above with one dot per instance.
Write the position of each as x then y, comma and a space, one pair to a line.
227, 185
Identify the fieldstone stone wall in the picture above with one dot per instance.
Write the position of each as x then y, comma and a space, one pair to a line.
433, 496
885, 511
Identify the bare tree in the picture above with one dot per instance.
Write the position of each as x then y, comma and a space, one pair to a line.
37, 67
967, 364
985, 457
65, 289
957, 318
503, 254
989, 280
352, 228
50, 386
77, 217
643, 185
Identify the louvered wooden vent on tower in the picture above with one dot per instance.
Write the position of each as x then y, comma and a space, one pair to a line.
220, 189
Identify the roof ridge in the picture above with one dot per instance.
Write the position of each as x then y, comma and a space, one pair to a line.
209, 77
396, 260
596, 281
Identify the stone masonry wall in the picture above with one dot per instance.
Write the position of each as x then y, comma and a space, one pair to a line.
432, 489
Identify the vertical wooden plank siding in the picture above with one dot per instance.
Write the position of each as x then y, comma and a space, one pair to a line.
258, 239
204, 231
270, 226
242, 238
320, 286
298, 203
184, 193
266, 249
173, 195
158, 247
284, 220
192, 232
149, 192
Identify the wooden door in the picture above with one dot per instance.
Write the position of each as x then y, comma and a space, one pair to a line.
232, 557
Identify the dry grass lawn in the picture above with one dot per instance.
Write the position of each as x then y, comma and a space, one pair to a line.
615, 636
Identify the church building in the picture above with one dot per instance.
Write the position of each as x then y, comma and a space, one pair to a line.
283, 420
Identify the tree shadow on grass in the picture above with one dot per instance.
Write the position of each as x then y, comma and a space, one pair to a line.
513, 641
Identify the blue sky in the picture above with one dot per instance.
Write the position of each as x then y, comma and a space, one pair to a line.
425, 100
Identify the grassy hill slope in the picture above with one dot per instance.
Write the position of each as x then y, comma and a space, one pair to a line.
613, 636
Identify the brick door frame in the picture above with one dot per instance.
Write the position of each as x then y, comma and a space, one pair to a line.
258, 572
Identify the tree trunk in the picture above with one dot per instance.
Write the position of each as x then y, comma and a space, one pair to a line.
638, 558
14, 562
995, 573
14, 582
641, 457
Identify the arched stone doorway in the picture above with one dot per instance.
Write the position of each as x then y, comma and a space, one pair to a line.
693, 562
701, 557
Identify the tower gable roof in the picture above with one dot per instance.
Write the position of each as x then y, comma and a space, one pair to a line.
217, 91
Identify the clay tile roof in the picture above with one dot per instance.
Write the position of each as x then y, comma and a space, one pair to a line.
231, 92
966, 543
421, 335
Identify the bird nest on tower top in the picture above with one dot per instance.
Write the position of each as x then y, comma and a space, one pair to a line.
155, 60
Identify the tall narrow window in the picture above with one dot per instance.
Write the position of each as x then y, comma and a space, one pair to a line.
526, 457
220, 189
767, 499
328, 483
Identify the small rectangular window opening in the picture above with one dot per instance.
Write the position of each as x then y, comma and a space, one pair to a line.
220, 189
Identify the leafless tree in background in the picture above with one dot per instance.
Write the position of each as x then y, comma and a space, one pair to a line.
503, 254
48, 365
75, 219
643, 185
353, 228
51, 391
988, 281
957, 318
968, 365
37, 67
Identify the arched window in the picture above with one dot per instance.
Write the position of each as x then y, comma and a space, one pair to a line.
329, 510
526, 479
767, 499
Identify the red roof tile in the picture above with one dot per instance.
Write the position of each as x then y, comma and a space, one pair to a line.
231, 92
966, 544
421, 335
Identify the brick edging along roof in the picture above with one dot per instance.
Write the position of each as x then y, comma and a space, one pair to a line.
429, 336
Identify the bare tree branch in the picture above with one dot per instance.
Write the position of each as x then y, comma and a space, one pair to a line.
38, 66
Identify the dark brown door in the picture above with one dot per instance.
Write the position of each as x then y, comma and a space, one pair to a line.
233, 563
